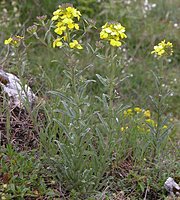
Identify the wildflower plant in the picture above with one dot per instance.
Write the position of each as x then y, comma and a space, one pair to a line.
152, 128
16, 54
73, 117
114, 33
134, 134
13, 45
138, 127
90, 144
159, 128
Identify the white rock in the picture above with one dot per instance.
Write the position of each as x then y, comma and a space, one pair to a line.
18, 93
171, 186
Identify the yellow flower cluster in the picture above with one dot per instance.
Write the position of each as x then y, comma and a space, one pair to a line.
163, 49
75, 44
124, 128
154, 124
57, 43
147, 113
128, 112
114, 33
65, 17
137, 109
14, 41
151, 122
141, 118
131, 111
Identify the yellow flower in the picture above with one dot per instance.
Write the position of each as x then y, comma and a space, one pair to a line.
76, 26
60, 30
114, 33
129, 111
65, 18
165, 127
141, 127
14, 41
151, 122
8, 41
67, 21
57, 43
56, 14
147, 113
74, 12
137, 109
163, 49
103, 35
66, 11
19, 37
148, 130
75, 44
54, 18
125, 113
124, 128
115, 43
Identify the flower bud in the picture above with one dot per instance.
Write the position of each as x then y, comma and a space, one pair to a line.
32, 29
41, 18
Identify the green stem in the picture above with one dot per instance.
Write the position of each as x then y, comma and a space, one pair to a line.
111, 80
68, 36
162, 63
158, 128
72, 69
73, 80
42, 41
18, 64
157, 134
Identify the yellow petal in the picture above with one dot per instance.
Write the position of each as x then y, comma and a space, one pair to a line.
72, 45
54, 18
76, 26
79, 46
8, 41
115, 43
70, 26
103, 35
58, 31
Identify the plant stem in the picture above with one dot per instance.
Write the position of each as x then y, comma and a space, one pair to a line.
157, 133
111, 80
73, 80
158, 128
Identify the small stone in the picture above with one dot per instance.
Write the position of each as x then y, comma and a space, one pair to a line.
171, 186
